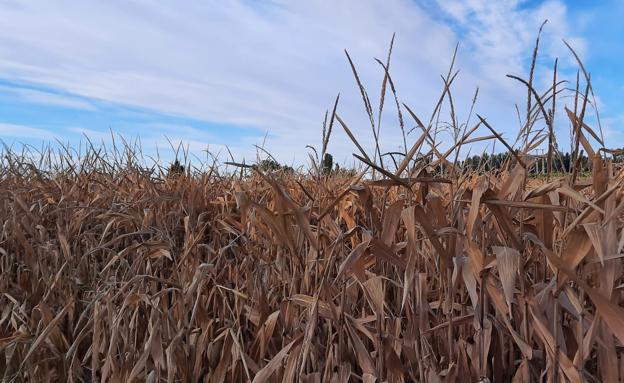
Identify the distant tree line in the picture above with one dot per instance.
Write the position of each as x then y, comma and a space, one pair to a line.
327, 166
271, 165
560, 162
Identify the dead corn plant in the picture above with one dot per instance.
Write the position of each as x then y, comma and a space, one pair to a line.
114, 272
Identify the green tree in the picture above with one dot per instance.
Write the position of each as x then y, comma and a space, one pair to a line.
176, 169
328, 163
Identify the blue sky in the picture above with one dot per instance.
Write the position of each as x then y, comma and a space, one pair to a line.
244, 73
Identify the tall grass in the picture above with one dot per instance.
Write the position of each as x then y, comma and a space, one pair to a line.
114, 271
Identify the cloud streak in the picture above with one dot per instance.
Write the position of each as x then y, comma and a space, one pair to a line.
21, 131
39, 97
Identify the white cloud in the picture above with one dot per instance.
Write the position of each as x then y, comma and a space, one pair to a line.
503, 32
275, 66
22, 131
163, 140
612, 130
44, 98
95, 136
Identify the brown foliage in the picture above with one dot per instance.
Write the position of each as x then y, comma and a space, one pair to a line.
111, 274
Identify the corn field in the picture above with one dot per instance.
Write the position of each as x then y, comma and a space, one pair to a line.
408, 270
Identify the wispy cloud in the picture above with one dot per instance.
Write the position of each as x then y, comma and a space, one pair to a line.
22, 131
166, 140
35, 96
504, 32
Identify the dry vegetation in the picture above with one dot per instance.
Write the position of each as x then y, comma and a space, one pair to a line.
417, 272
